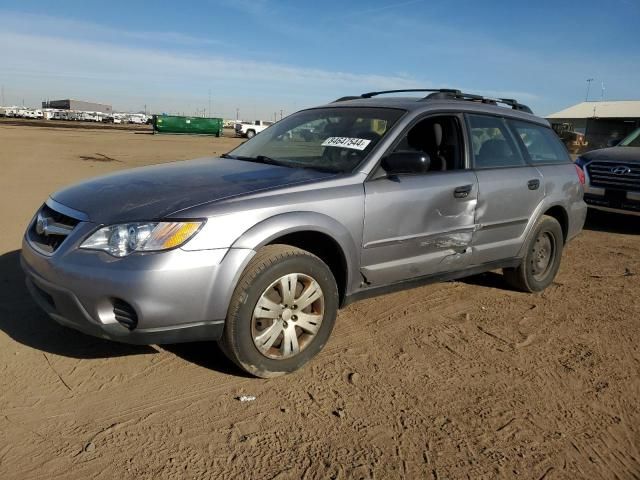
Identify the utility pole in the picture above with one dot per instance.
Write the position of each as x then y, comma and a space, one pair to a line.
589, 80
280, 114
602, 94
210, 115
237, 113
2, 96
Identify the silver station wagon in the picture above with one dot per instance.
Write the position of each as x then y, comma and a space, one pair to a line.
259, 249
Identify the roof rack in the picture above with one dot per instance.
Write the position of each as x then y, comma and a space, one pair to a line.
447, 94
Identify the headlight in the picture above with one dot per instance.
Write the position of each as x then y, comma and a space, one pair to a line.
123, 239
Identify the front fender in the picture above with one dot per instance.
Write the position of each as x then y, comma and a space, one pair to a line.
277, 226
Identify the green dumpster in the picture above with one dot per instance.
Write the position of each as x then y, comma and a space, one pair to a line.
187, 125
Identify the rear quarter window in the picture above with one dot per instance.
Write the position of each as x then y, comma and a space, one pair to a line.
541, 143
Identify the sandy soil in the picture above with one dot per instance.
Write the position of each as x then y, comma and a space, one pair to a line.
456, 380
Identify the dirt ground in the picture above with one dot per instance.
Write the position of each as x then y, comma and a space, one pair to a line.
455, 380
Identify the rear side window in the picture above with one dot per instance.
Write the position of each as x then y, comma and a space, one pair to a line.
492, 143
542, 144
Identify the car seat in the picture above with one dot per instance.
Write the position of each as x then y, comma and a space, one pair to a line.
495, 152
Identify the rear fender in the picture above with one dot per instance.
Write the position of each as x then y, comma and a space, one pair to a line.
529, 230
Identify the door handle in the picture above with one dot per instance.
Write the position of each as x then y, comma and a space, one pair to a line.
533, 184
463, 191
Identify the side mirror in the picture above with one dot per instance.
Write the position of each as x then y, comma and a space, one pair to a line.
406, 162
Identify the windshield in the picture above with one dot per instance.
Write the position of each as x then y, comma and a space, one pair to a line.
333, 139
633, 140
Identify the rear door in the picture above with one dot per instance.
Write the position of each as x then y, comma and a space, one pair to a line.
509, 189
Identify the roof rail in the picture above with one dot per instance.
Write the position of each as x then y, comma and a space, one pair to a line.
373, 94
435, 90
349, 97
446, 94
458, 95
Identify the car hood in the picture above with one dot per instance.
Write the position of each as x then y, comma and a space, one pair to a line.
614, 154
155, 192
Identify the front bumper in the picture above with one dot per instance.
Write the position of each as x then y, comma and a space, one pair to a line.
616, 201
177, 295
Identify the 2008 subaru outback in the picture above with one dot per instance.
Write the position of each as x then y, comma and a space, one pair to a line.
259, 248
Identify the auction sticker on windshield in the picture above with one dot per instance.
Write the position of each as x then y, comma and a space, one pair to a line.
346, 142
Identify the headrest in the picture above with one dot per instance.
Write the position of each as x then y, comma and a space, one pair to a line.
495, 148
437, 134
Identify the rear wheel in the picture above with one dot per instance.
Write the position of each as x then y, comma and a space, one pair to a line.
281, 313
542, 258
251, 133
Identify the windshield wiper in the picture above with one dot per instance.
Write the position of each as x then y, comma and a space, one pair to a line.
259, 159
272, 161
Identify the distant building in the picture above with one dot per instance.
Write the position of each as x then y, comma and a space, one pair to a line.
600, 122
77, 105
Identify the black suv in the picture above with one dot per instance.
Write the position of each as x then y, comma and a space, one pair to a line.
613, 176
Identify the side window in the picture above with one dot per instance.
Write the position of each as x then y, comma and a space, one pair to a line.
542, 143
440, 138
493, 145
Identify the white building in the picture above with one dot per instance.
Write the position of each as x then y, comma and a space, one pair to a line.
600, 122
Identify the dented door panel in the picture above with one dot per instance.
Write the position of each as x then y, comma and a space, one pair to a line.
414, 225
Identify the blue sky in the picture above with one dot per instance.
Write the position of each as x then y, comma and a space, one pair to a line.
264, 55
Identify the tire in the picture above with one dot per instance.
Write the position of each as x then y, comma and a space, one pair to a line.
541, 260
251, 134
261, 336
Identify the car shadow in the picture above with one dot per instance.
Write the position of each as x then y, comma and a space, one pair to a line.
207, 355
599, 221
489, 280
23, 321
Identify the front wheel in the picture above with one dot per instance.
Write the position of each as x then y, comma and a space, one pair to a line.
541, 260
282, 311
251, 134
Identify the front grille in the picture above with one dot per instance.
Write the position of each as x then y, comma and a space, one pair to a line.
50, 229
125, 314
602, 174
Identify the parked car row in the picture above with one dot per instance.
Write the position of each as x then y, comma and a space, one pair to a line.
74, 115
20, 112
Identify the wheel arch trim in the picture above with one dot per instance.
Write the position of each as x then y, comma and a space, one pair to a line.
538, 213
272, 228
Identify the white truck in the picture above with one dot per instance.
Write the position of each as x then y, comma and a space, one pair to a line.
249, 130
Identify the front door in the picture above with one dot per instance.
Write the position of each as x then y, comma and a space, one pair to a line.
419, 225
